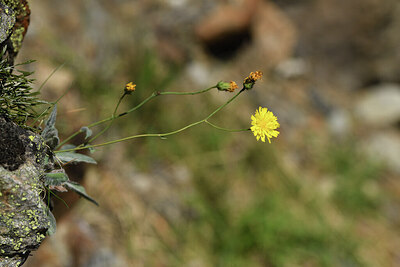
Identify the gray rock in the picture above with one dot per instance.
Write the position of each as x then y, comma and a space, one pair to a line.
380, 106
339, 122
104, 258
199, 73
7, 21
292, 68
23, 212
385, 147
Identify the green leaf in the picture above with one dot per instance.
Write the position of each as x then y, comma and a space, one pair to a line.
53, 225
34, 94
55, 178
67, 146
51, 121
50, 133
80, 190
87, 131
26, 62
25, 73
74, 157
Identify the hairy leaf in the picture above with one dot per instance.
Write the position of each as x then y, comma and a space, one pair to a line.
53, 225
74, 157
80, 190
55, 178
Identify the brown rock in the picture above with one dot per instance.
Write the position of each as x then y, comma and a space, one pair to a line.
261, 24
226, 19
273, 33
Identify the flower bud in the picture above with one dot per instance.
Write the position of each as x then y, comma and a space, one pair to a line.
225, 86
249, 81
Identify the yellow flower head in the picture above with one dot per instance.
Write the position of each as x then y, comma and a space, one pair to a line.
130, 87
256, 75
232, 86
251, 79
264, 124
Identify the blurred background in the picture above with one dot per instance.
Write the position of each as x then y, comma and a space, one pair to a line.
326, 192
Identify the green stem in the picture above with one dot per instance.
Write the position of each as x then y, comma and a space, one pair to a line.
159, 134
132, 137
224, 105
111, 122
51, 74
153, 95
51, 105
187, 93
226, 129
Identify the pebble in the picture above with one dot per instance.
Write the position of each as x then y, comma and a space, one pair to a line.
385, 147
339, 122
380, 106
292, 68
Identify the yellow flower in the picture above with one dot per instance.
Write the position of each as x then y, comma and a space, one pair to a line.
256, 75
232, 86
130, 87
249, 81
264, 124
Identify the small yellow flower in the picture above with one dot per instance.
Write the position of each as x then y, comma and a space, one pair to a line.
130, 87
232, 86
249, 81
256, 75
264, 124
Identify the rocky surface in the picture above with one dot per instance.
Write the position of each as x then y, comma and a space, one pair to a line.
23, 220
15, 16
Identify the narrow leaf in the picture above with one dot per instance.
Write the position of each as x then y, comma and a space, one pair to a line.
67, 146
50, 133
53, 225
74, 157
80, 190
25, 63
52, 118
25, 73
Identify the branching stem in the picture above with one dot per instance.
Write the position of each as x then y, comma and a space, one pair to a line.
205, 120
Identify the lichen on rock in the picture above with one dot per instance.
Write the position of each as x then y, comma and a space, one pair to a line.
15, 17
7, 21
23, 220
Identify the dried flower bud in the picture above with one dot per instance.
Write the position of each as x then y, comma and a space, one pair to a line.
249, 82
